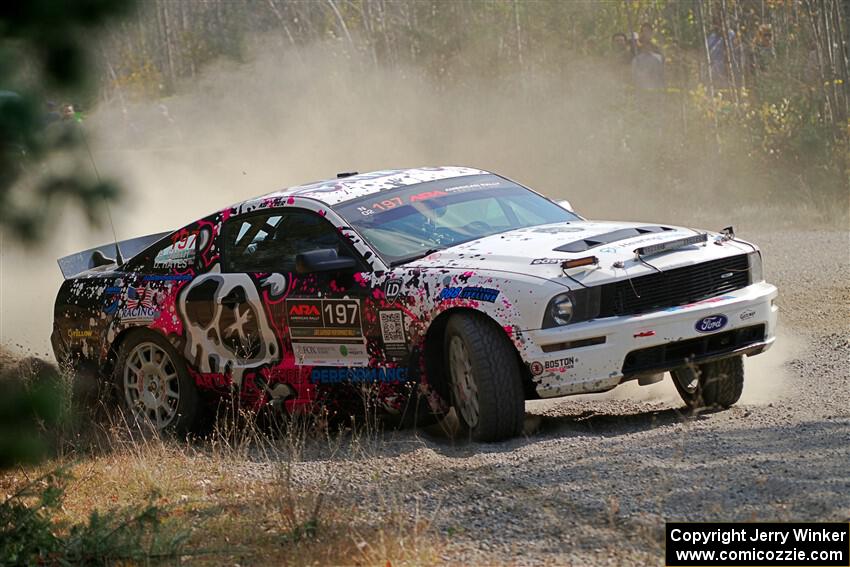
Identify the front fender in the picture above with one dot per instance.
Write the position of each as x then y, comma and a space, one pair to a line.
515, 302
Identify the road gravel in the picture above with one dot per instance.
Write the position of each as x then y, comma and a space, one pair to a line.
597, 476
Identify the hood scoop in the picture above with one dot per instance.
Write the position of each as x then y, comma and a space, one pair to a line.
609, 237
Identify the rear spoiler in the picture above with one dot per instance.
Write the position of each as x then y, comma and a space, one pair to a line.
104, 255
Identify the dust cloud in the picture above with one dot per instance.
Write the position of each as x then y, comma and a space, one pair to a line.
767, 380
285, 118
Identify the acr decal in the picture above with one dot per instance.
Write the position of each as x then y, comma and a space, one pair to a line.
711, 323
746, 315
326, 332
337, 375
536, 368
392, 331
475, 293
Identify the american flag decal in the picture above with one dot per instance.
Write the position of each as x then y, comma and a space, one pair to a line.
139, 297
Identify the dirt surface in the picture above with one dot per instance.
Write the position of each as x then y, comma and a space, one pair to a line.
598, 476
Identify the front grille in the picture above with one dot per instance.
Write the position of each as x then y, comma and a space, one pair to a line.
671, 288
673, 355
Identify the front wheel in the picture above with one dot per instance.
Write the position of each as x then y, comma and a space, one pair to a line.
716, 384
155, 384
483, 370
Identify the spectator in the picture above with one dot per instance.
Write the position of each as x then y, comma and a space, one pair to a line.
648, 63
763, 50
646, 38
623, 52
718, 60
621, 56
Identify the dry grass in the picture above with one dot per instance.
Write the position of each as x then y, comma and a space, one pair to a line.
235, 515
235, 494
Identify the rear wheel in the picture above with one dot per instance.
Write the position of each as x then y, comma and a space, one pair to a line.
716, 384
155, 384
485, 384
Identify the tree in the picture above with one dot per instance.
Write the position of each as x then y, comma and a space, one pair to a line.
43, 52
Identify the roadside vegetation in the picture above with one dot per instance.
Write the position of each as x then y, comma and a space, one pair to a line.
111, 493
755, 95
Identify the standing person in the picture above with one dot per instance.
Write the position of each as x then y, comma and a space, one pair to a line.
621, 49
717, 56
647, 39
648, 63
763, 51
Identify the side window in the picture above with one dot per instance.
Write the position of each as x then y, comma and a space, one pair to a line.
270, 242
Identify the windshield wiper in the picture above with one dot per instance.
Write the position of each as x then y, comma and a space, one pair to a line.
413, 257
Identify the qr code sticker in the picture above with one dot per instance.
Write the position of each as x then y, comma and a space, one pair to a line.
392, 326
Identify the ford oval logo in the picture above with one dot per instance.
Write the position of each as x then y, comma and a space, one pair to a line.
711, 323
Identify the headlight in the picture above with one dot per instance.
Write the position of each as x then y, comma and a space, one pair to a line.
561, 309
756, 273
571, 307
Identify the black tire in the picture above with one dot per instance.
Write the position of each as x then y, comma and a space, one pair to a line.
187, 409
716, 384
494, 375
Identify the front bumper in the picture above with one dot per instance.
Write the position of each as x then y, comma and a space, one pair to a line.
620, 347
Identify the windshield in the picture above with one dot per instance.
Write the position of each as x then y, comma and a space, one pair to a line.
409, 222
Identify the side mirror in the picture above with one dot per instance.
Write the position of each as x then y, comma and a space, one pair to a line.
566, 204
322, 260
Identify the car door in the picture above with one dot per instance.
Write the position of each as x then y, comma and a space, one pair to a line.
318, 316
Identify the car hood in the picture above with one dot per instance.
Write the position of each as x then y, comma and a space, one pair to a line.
535, 251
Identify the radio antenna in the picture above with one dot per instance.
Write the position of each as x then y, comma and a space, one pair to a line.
118, 259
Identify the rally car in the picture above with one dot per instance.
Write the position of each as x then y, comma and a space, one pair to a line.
438, 287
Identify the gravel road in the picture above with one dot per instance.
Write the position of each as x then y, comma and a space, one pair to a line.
597, 476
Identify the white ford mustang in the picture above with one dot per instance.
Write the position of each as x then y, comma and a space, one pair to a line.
475, 289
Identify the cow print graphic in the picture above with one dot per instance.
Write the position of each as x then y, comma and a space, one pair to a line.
226, 326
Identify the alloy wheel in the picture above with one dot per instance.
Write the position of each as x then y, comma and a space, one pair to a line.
151, 385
